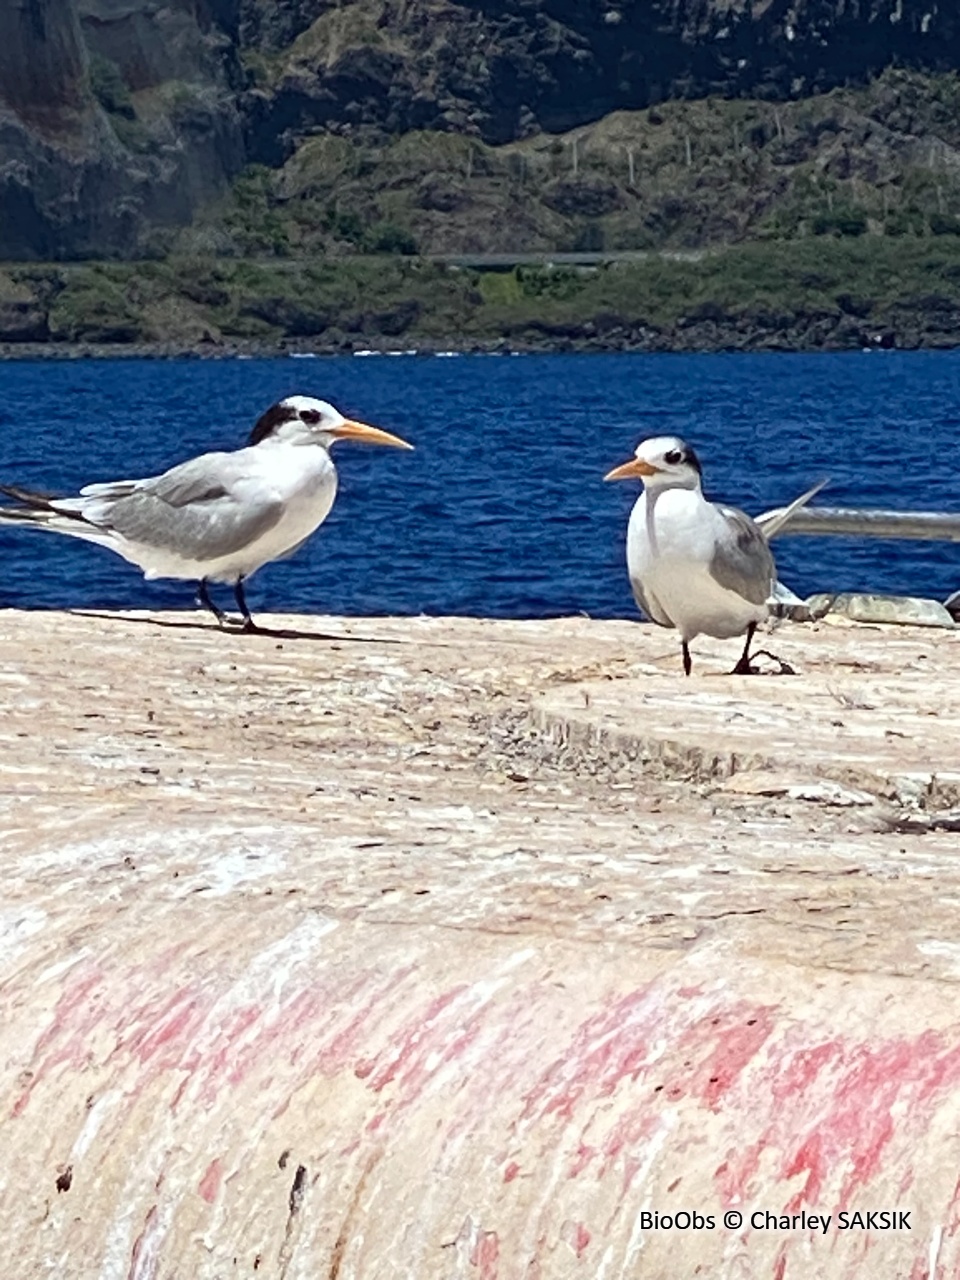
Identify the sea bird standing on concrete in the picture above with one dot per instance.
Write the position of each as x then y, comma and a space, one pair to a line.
703, 568
219, 517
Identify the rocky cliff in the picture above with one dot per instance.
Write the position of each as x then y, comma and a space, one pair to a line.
503, 69
117, 118
121, 119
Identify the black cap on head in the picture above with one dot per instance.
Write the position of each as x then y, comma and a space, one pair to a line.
268, 422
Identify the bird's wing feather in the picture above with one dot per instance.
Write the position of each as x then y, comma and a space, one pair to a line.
648, 605
742, 561
196, 480
204, 479
206, 530
107, 489
192, 511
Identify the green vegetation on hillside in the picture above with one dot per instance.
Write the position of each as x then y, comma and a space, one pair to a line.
882, 160
807, 294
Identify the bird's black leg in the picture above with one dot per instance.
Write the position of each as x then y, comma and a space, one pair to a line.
687, 660
743, 667
203, 597
248, 622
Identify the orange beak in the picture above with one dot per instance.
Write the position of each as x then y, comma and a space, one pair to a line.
635, 469
350, 430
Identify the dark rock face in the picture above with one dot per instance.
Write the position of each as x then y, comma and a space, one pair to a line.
501, 69
117, 117
186, 41
23, 321
269, 26
624, 54
42, 62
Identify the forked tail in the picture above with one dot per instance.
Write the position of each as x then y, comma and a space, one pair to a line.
40, 510
29, 497
772, 522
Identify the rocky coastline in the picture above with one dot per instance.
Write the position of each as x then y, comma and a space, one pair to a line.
700, 338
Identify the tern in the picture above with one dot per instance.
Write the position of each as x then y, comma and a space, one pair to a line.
695, 565
218, 517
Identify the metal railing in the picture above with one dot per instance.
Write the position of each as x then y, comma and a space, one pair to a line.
934, 526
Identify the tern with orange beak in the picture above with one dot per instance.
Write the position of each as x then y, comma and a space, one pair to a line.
702, 568
219, 517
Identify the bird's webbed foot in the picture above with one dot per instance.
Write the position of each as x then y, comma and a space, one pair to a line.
744, 665
783, 667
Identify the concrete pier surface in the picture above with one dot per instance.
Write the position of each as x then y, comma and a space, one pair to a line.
443, 948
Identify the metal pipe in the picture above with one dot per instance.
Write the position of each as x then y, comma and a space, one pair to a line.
935, 526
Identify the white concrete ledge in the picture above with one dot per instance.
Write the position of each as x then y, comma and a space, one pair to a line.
445, 948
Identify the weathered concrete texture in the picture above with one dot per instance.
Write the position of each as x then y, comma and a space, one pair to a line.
445, 948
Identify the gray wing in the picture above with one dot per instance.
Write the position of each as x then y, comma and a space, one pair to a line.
197, 480
191, 511
205, 479
648, 605
742, 561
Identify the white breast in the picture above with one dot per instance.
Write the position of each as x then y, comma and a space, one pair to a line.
671, 541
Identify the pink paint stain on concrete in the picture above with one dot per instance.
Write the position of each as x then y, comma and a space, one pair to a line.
485, 1255
672, 1047
511, 1171
733, 1048
606, 1048
832, 1108
585, 1154
576, 1235
66, 1038
211, 1180
162, 1029
415, 1042
581, 1240
366, 1006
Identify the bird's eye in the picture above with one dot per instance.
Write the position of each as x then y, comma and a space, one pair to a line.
312, 416
673, 457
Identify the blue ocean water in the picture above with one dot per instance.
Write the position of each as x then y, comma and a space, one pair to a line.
502, 510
